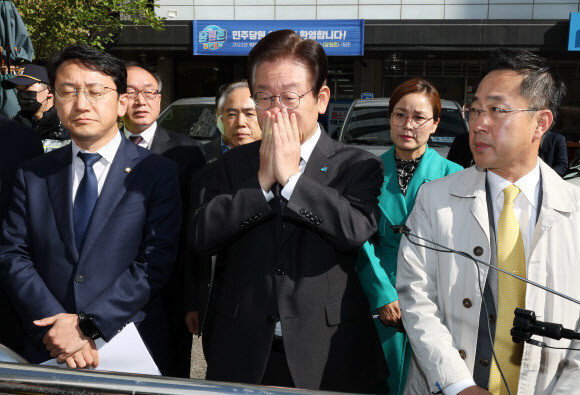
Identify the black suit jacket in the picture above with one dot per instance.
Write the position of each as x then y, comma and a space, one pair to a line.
460, 152
19, 143
295, 266
187, 154
184, 151
198, 268
554, 152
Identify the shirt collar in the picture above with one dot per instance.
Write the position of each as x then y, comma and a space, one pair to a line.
307, 146
107, 151
147, 134
528, 185
225, 147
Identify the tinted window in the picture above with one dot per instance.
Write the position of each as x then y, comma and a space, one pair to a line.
193, 120
370, 125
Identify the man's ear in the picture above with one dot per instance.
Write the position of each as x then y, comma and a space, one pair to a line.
323, 99
122, 104
544, 121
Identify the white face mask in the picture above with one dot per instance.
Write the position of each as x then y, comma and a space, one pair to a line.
220, 125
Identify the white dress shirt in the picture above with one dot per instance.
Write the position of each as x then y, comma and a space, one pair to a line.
306, 149
101, 167
147, 135
525, 210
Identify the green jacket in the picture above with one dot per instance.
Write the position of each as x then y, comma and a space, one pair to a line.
377, 265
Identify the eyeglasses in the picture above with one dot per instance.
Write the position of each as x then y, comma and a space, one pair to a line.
93, 92
494, 113
400, 119
289, 100
148, 94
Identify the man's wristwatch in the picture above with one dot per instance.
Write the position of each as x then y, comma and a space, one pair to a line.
88, 327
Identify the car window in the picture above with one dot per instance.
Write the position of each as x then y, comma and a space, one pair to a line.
450, 126
369, 125
193, 120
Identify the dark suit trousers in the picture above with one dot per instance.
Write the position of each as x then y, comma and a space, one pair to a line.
277, 371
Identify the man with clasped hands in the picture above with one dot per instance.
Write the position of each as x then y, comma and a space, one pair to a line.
286, 217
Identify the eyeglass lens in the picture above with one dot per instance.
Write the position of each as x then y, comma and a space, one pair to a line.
93, 92
264, 101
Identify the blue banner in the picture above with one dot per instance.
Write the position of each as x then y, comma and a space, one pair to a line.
338, 37
574, 37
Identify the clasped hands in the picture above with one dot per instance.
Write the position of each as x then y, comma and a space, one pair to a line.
66, 342
280, 150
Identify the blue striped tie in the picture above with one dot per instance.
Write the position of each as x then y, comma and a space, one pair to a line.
85, 199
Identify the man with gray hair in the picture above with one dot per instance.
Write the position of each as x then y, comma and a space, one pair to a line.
236, 120
514, 212
238, 124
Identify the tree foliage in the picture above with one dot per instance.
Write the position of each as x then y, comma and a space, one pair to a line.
55, 24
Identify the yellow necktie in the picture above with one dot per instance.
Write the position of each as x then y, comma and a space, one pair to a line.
511, 294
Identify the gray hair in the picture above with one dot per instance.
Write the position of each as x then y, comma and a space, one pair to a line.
227, 92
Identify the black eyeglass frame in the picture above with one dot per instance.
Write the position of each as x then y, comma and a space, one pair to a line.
155, 92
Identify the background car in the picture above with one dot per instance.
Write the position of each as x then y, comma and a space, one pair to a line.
367, 125
193, 117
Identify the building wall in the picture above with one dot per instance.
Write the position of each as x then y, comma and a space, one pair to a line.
366, 9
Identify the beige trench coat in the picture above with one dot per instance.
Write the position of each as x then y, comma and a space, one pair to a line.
432, 286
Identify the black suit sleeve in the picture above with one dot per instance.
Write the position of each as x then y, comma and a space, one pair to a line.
560, 164
226, 211
460, 152
346, 219
192, 262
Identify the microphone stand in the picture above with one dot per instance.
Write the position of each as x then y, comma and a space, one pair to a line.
407, 232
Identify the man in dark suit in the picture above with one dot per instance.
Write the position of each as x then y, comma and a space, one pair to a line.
20, 143
144, 105
286, 217
237, 122
92, 231
554, 152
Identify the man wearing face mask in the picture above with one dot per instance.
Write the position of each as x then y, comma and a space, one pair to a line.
36, 102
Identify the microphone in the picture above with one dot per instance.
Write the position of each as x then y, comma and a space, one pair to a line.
407, 232
526, 325
401, 229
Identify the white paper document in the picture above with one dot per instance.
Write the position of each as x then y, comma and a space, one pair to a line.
126, 353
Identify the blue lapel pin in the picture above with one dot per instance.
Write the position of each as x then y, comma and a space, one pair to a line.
324, 169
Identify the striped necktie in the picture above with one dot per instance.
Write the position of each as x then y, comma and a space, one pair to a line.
511, 294
135, 138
